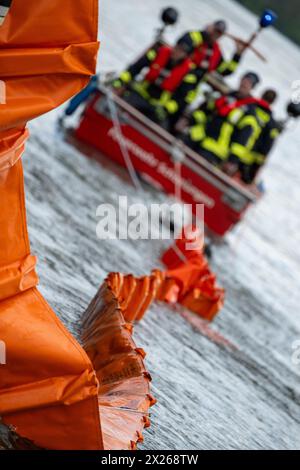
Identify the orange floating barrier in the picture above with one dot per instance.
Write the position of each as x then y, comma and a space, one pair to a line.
48, 386
190, 283
124, 384
189, 269
54, 392
50, 391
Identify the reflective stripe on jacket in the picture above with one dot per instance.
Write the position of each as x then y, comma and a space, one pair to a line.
174, 77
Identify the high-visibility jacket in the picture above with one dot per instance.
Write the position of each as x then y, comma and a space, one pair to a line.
250, 134
271, 130
162, 77
208, 55
217, 121
168, 78
261, 146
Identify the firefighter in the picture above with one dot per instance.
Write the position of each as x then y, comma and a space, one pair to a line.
162, 71
212, 126
248, 155
207, 57
208, 54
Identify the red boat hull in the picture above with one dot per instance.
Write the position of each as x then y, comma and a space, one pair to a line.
151, 160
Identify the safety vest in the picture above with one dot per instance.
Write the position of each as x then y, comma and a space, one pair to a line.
220, 146
208, 57
175, 76
245, 152
232, 113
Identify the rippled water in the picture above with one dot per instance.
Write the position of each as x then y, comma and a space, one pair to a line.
209, 397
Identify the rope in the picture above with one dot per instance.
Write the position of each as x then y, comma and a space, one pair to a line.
117, 127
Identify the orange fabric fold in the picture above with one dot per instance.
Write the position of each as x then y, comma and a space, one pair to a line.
12, 145
72, 59
124, 384
47, 54
18, 277
48, 382
65, 390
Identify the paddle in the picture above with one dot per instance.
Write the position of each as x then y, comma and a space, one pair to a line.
268, 18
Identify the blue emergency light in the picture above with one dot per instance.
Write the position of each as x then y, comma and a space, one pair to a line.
268, 18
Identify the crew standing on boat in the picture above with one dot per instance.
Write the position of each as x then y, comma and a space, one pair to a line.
207, 58
174, 74
207, 51
163, 70
213, 125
